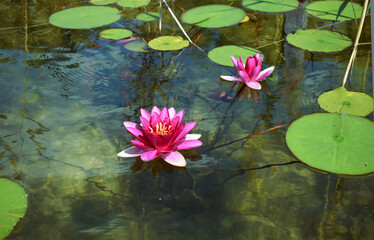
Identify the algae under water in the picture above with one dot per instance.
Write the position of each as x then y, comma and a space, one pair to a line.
65, 94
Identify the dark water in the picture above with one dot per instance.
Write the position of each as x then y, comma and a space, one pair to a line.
65, 93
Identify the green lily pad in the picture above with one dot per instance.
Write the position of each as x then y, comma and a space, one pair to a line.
103, 2
148, 16
334, 10
133, 3
13, 205
271, 5
137, 46
213, 16
315, 40
168, 43
335, 143
85, 17
115, 33
340, 100
222, 55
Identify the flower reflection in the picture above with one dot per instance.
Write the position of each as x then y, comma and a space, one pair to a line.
161, 133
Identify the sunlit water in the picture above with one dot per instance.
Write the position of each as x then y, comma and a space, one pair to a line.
64, 95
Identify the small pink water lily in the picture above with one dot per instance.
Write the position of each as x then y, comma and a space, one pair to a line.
161, 132
250, 73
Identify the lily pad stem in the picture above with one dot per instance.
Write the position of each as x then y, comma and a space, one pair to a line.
180, 26
354, 52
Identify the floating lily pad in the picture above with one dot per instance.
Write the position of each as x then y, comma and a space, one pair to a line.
271, 5
103, 2
115, 33
335, 143
214, 16
133, 3
315, 40
137, 46
340, 100
334, 10
148, 16
13, 204
85, 17
168, 43
222, 55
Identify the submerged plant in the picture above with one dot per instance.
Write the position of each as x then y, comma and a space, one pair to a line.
161, 133
250, 73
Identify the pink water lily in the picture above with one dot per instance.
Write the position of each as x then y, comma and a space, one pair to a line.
250, 73
161, 133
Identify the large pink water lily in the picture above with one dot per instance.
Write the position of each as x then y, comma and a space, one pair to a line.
161, 133
250, 73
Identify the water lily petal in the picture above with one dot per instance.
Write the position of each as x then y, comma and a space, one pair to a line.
130, 152
254, 85
145, 123
231, 78
164, 114
136, 133
149, 155
258, 58
193, 136
141, 145
186, 129
172, 112
236, 63
265, 73
128, 124
253, 75
179, 115
250, 64
189, 144
244, 76
145, 114
155, 110
155, 119
174, 158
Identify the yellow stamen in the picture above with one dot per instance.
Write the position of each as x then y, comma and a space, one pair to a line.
162, 129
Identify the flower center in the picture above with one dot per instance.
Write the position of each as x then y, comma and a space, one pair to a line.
161, 129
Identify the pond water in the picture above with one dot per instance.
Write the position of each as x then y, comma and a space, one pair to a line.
65, 94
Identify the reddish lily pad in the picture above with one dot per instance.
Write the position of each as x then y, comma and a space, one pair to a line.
332, 142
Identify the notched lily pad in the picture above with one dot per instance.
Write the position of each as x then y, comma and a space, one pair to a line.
340, 100
316, 40
168, 43
222, 55
115, 33
148, 16
213, 16
103, 2
271, 5
335, 143
13, 205
334, 10
133, 3
85, 17
137, 46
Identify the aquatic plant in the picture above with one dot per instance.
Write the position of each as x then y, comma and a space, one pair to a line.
250, 73
161, 133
